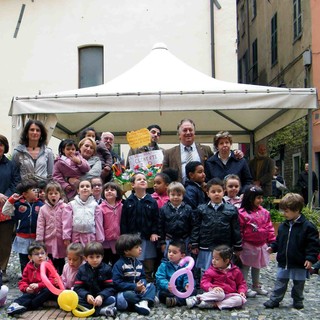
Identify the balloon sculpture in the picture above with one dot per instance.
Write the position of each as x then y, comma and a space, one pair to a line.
67, 299
178, 273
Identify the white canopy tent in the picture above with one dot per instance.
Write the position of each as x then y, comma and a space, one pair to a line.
162, 89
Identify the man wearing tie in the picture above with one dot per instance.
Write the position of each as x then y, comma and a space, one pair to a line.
178, 156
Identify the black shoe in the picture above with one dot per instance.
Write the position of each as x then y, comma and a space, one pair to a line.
314, 271
298, 305
271, 304
171, 302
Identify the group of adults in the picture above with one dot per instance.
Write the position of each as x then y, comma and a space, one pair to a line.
33, 159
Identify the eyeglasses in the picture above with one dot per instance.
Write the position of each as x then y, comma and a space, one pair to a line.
99, 185
156, 132
39, 254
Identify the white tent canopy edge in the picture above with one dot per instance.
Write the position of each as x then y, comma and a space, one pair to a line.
162, 89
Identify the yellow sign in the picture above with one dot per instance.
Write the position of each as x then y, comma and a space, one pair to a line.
139, 138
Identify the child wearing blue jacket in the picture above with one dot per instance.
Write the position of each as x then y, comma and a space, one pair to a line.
129, 278
176, 252
24, 206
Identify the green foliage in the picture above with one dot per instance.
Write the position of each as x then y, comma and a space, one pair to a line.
275, 214
291, 135
312, 215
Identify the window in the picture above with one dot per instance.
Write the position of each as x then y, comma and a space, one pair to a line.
274, 40
242, 21
254, 8
297, 19
255, 60
243, 69
90, 66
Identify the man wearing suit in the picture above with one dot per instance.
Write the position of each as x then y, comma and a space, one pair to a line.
178, 156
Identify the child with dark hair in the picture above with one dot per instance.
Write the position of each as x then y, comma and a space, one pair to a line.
297, 247
232, 186
176, 218
172, 173
257, 233
140, 214
161, 182
216, 223
94, 284
69, 164
195, 182
24, 206
176, 252
41, 184
129, 277
49, 225
111, 208
223, 284
34, 291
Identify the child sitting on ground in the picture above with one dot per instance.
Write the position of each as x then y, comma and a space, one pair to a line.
195, 184
176, 252
297, 247
24, 206
34, 291
93, 282
223, 283
70, 269
129, 278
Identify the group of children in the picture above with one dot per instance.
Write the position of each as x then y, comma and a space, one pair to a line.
225, 233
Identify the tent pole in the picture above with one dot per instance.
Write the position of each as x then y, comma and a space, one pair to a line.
213, 71
310, 159
251, 145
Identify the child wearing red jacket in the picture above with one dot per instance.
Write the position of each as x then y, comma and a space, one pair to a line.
223, 283
35, 292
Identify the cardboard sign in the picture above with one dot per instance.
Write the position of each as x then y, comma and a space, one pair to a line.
139, 138
150, 158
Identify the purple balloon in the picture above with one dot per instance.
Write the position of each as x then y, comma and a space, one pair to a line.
178, 273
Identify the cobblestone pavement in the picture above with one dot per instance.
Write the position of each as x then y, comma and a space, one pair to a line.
253, 309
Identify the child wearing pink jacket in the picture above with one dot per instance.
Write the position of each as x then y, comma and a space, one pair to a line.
49, 225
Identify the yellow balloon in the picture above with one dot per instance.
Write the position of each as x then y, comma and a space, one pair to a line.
68, 300
83, 314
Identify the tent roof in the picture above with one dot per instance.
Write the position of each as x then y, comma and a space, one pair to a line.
162, 89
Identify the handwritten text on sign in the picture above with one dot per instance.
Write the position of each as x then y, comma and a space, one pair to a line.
146, 158
139, 138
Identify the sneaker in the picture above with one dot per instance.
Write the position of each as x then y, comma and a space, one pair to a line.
109, 311
3, 295
142, 308
271, 304
298, 305
192, 302
171, 302
260, 290
251, 294
15, 308
206, 305
156, 301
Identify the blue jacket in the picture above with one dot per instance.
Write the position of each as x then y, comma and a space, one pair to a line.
94, 281
165, 272
213, 228
175, 224
25, 214
9, 176
214, 168
194, 195
126, 273
296, 243
140, 216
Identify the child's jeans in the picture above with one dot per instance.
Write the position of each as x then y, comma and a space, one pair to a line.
34, 301
110, 301
133, 297
280, 288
